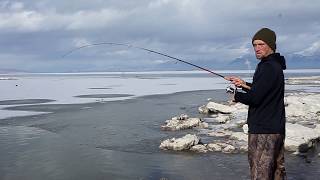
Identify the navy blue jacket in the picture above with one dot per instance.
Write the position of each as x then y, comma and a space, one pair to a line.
266, 113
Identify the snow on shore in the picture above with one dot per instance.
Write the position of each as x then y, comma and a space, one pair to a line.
302, 127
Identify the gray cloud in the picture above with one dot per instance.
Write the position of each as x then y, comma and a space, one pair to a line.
36, 33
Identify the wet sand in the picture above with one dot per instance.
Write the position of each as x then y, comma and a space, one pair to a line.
119, 140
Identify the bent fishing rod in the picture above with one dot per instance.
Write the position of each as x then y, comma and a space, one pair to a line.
145, 49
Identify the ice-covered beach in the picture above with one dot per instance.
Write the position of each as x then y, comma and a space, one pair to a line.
93, 125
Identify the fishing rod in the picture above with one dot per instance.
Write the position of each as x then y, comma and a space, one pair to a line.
145, 49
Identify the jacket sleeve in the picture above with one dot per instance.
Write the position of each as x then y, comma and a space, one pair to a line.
260, 88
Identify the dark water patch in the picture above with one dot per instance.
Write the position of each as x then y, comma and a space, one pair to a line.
193, 96
17, 121
54, 128
104, 95
304, 166
25, 101
126, 150
46, 107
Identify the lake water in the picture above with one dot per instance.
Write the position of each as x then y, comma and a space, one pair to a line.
107, 126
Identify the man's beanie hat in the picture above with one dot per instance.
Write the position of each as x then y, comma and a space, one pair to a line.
266, 35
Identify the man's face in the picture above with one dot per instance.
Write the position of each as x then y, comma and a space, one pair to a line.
261, 49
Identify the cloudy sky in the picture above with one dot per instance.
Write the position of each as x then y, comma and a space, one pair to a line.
36, 33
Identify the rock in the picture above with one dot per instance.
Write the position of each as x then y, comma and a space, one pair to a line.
241, 107
245, 128
220, 108
220, 133
183, 143
199, 148
241, 122
222, 118
244, 148
182, 122
303, 148
302, 106
300, 136
214, 147
203, 125
218, 118
240, 136
229, 149
183, 117
311, 80
220, 146
203, 109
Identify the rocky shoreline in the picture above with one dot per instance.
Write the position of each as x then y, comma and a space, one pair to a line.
226, 124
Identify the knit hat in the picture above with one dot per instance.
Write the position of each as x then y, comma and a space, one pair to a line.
266, 35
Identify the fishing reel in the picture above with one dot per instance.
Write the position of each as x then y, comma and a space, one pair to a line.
231, 90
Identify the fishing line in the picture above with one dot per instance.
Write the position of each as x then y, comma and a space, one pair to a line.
145, 49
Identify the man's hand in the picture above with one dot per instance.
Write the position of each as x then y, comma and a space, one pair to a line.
238, 82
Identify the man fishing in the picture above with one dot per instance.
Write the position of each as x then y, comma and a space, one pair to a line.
266, 115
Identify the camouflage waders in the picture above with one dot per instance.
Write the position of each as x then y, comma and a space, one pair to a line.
266, 156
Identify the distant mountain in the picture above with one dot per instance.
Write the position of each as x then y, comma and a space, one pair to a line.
248, 62
301, 62
293, 62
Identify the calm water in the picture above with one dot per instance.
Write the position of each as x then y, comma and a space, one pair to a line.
119, 140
